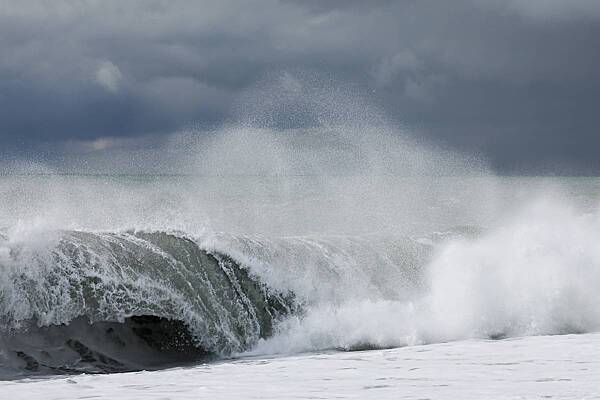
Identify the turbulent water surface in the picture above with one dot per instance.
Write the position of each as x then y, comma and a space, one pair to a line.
103, 274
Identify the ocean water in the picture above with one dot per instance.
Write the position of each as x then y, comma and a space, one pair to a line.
229, 280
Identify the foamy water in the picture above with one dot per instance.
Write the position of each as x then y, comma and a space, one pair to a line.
453, 271
558, 367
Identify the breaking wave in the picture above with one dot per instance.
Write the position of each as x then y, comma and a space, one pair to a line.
75, 301
275, 236
93, 301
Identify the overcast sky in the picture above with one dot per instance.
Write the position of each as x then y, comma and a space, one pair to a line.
515, 80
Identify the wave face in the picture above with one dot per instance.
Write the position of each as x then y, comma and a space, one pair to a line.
82, 301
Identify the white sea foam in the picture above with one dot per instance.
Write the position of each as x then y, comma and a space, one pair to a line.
535, 274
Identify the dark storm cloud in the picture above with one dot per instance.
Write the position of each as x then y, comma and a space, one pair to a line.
517, 80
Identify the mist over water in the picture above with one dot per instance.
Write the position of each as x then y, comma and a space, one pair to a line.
299, 149
309, 222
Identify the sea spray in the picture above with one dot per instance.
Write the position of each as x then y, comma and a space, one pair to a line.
268, 236
535, 274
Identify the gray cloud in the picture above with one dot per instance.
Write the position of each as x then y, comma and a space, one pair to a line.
517, 80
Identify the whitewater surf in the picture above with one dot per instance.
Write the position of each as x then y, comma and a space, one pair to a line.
104, 301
